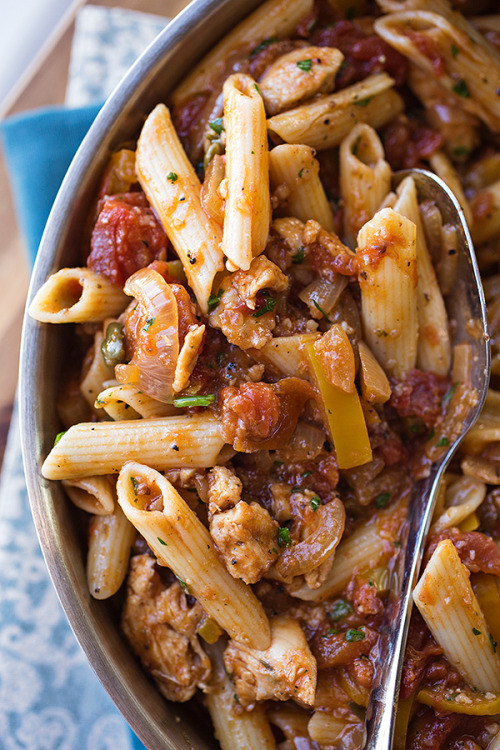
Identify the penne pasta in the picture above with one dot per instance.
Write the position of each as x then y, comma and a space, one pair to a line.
97, 373
326, 121
472, 73
286, 354
111, 538
173, 189
128, 402
92, 494
433, 348
77, 295
247, 214
181, 542
448, 605
365, 178
103, 447
295, 168
387, 262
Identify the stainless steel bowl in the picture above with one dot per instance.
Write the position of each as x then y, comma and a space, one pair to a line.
160, 725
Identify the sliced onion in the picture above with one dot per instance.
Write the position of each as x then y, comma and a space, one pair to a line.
305, 444
307, 555
155, 335
323, 294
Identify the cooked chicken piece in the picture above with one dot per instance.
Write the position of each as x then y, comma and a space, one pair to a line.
224, 489
246, 536
298, 76
237, 295
280, 499
188, 356
161, 628
262, 274
287, 669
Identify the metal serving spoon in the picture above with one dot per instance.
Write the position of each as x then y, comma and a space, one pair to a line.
466, 307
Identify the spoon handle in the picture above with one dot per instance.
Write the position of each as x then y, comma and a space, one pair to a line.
381, 712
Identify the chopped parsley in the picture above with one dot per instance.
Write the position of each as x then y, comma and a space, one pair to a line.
183, 585
493, 644
257, 88
332, 631
214, 300
354, 635
194, 400
263, 45
59, 436
454, 50
149, 322
162, 541
305, 65
460, 89
172, 177
476, 631
323, 313
341, 609
301, 172
383, 499
315, 502
134, 483
355, 145
442, 442
217, 125
269, 305
298, 257
306, 474
284, 539
461, 151
447, 396
363, 102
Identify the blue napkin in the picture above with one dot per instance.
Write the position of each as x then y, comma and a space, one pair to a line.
49, 696
38, 148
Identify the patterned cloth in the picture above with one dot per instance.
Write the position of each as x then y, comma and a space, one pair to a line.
50, 698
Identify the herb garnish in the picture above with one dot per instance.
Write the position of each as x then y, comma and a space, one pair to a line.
194, 400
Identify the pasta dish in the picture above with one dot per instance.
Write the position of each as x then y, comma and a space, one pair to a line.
263, 365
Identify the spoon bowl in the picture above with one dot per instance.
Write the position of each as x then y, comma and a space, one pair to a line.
467, 313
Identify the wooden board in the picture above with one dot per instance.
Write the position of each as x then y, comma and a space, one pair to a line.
47, 87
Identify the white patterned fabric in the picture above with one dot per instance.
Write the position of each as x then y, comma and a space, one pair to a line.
50, 699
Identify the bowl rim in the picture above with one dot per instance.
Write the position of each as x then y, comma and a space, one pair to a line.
44, 496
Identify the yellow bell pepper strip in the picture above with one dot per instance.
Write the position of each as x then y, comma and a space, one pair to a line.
343, 417
460, 701
471, 523
209, 630
404, 713
485, 587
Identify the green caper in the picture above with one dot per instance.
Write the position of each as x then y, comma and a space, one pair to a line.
215, 147
113, 346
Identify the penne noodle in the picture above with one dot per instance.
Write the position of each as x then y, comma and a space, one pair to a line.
103, 447
247, 214
286, 354
295, 167
128, 402
91, 494
365, 178
97, 374
462, 498
448, 605
443, 167
77, 295
272, 19
110, 541
248, 729
472, 73
326, 121
181, 542
173, 189
488, 225
434, 349
387, 262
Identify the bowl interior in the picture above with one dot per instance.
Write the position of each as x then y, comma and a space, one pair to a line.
160, 725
